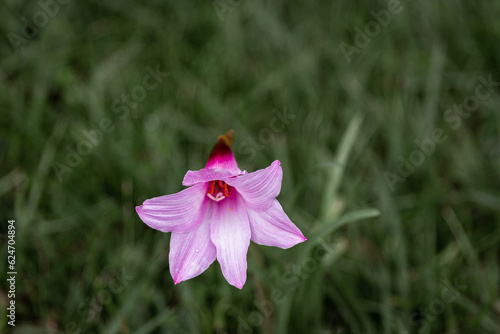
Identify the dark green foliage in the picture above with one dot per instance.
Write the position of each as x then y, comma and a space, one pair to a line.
418, 255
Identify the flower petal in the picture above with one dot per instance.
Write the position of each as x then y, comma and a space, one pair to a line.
206, 175
191, 253
230, 233
259, 188
180, 212
274, 228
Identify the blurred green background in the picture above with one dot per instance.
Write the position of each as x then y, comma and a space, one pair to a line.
397, 192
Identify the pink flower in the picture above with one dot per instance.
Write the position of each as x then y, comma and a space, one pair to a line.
217, 216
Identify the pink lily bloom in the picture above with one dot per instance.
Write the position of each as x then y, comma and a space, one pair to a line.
217, 216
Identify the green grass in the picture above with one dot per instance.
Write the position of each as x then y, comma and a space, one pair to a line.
378, 259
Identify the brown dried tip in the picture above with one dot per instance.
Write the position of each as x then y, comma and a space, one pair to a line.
228, 138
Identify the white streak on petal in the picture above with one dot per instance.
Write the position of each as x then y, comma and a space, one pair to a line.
274, 228
193, 252
230, 233
180, 212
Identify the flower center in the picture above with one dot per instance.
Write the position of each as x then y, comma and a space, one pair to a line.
218, 190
